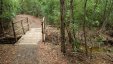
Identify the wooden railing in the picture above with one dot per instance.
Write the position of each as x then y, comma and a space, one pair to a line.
43, 29
22, 26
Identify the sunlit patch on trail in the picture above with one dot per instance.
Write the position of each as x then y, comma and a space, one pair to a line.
32, 37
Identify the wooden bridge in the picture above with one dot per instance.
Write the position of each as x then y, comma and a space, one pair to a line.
25, 49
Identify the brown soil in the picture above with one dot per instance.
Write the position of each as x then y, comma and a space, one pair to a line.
50, 54
34, 21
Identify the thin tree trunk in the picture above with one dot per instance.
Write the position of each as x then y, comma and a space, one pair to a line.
62, 10
72, 20
84, 28
104, 17
1, 19
1, 14
72, 14
107, 15
72, 10
1, 4
94, 13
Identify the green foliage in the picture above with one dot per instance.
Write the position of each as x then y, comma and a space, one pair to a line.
51, 10
31, 7
99, 40
9, 9
76, 43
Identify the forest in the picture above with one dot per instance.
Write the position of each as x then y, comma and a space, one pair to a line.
82, 29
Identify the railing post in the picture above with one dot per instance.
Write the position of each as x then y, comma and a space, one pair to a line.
28, 23
22, 27
14, 32
43, 30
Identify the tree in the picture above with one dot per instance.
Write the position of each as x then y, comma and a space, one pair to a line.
104, 17
84, 28
72, 10
71, 38
106, 14
1, 10
62, 10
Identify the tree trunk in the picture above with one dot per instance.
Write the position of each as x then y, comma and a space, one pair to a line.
1, 19
72, 10
62, 10
1, 7
84, 28
106, 15
72, 20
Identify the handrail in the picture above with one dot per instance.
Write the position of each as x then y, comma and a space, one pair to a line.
43, 19
13, 27
19, 20
22, 27
43, 29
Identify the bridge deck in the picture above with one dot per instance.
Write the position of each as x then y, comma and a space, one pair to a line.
26, 47
31, 37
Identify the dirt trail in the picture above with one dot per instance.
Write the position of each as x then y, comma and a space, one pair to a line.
34, 21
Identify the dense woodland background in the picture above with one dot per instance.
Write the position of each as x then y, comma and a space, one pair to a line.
97, 11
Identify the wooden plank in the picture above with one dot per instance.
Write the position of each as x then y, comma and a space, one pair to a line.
14, 32
19, 21
25, 25
22, 27
28, 23
18, 30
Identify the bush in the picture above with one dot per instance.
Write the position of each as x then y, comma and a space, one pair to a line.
9, 9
